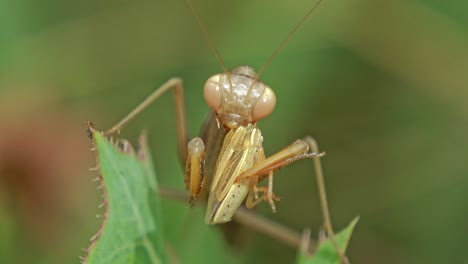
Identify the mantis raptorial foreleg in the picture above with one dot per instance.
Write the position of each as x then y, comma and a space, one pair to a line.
195, 169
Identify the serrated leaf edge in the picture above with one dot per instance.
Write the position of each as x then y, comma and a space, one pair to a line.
125, 148
99, 179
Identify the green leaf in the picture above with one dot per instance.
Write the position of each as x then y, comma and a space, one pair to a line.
131, 229
326, 252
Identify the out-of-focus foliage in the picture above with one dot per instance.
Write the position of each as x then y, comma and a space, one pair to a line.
380, 85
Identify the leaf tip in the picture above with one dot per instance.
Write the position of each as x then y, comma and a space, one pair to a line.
89, 129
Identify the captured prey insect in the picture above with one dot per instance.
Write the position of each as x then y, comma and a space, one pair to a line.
227, 161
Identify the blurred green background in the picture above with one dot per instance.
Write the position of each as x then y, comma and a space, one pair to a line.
382, 86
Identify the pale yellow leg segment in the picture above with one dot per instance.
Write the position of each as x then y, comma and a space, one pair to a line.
296, 151
195, 169
182, 137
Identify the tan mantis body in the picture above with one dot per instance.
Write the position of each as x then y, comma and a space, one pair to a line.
228, 160
238, 101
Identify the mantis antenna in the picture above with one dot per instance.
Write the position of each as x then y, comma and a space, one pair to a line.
285, 41
207, 38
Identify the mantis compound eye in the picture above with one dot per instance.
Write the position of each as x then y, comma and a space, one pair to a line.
212, 93
265, 105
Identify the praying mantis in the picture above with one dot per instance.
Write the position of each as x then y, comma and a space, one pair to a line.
227, 161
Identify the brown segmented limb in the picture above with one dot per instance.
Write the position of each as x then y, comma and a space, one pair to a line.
182, 137
296, 151
195, 169
323, 199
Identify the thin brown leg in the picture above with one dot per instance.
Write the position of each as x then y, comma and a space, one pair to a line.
254, 221
182, 137
323, 199
296, 151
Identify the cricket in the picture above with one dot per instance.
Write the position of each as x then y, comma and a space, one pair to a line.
226, 164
